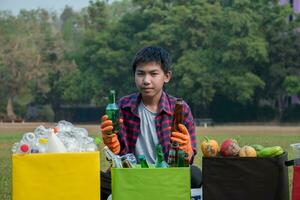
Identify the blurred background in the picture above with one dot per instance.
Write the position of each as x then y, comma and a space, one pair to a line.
234, 61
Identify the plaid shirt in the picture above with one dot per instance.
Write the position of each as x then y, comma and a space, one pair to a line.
130, 129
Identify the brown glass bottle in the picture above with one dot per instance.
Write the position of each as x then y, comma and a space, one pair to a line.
177, 119
178, 115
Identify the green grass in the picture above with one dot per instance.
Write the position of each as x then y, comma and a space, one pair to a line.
7, 140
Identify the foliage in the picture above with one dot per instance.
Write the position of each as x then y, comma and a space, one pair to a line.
243, 52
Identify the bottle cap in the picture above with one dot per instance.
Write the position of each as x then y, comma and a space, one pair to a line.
43, 141
55, 129
24, 148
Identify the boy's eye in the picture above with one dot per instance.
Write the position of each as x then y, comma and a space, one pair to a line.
139, 73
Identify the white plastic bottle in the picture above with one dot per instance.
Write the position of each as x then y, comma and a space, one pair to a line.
54, 143
43, 145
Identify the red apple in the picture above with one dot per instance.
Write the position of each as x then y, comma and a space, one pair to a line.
230, 147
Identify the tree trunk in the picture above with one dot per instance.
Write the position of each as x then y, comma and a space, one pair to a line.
10, 109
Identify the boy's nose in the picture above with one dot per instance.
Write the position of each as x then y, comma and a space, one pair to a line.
146, 80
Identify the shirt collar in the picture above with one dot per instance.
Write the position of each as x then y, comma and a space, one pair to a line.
164, 104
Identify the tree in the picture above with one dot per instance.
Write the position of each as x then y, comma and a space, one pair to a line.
31, 52
19, 56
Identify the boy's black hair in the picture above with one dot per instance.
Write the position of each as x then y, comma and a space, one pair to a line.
153, 54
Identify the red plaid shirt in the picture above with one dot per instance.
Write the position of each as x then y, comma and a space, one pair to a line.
131, 122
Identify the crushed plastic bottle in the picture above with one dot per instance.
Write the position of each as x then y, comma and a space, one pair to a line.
113, 158
15, 147
67, 138
41, 132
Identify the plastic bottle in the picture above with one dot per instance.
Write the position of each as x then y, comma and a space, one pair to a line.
15, 147
43, 145
23, 149
31, 140
54, 143
113, 158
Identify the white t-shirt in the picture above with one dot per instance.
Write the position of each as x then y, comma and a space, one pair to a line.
147, 140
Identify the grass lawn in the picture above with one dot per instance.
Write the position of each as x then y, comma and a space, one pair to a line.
264, 135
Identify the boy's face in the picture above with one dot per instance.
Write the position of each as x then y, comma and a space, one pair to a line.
150, 79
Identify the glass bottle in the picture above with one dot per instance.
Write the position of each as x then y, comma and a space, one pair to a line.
160, 162
143, 161
181, 159
112, 111
178, 115
172, 161
177, 119
186, 160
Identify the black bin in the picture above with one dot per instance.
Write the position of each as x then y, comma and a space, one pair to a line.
236, 178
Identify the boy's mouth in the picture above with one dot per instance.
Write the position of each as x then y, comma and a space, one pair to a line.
147, 89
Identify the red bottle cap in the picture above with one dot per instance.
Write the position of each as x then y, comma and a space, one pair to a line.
55, 129
24, 148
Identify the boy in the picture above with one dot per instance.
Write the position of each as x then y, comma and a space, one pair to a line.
146, 116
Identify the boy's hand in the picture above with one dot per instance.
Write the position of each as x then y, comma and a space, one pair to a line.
184, 140
110, 139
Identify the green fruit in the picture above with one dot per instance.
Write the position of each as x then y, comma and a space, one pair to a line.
257, 147
269, 151
278, 153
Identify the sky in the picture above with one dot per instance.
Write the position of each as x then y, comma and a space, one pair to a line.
53, 5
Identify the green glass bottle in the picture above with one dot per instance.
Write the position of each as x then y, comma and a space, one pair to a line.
172, 158
160, 162
143, 161
181, 159
112, 111
186, 160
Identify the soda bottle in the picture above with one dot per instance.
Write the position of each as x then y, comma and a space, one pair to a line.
112, 111
160, 162
143, 161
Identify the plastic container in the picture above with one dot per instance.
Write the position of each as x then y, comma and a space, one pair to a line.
296, 153
54, 144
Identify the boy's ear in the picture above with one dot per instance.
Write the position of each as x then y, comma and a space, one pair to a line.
168, 77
